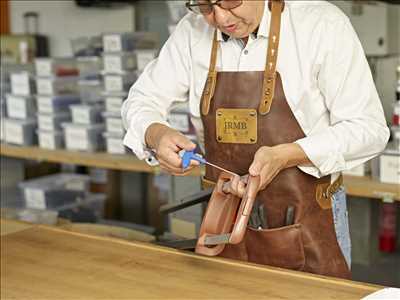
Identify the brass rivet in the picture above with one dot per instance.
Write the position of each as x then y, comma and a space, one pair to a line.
252, 140
219, 138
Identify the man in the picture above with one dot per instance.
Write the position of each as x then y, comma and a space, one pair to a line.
294, 78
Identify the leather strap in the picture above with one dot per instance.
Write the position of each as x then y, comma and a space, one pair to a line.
272, 57
324, 192
276, 7
209, 89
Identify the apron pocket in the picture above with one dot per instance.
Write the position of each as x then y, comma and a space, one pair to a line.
279, 247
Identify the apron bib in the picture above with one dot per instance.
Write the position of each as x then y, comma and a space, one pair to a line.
243, 111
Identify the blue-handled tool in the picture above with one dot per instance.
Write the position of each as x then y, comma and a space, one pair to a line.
187, 156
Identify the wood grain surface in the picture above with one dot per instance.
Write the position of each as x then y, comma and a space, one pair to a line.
46, 263
9, 226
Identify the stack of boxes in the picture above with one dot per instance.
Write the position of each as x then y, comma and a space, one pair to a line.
20, 124
84, 132
60, 195
389, 161
124, 58
57, 87
5, 88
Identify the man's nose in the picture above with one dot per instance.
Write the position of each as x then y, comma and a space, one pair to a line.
221, 15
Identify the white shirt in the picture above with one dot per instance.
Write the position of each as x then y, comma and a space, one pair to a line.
325, 74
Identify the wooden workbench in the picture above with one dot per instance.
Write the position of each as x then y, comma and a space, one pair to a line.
355, 186
41, 262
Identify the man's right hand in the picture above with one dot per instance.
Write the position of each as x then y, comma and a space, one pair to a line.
167, 143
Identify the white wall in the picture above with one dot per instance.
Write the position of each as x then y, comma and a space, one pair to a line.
63, 20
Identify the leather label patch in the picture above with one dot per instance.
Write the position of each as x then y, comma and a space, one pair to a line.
238, 126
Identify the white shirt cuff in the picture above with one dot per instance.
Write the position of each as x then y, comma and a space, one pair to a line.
325, 158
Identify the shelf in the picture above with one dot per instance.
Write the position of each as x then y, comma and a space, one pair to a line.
355, 186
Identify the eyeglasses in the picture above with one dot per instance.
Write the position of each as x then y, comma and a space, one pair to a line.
206, 7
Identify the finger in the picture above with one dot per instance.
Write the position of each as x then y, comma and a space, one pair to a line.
184, 173
234, 185
171, 157
253, 187
171, 168
255, 168
184, 143
241, 189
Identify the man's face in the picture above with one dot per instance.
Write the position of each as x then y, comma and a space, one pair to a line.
239, 22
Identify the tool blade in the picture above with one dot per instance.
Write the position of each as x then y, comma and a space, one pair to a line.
210, 240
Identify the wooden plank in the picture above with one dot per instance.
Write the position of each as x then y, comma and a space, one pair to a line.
46, 263
355, 186
9, 226
99, 160
370, 188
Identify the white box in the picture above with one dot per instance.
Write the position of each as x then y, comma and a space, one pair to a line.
86, 114
390, 167
52, 122
83, 137
20, 132
60, 66
51, 139
144, 57
119, 83
114, 123
129, 41
119, 62
56, 104
114, 144
20, 107
90, 67
361, 170
57, 85
91, 91
114, 102
22, 84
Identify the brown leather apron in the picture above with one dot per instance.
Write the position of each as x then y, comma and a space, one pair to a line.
231, 140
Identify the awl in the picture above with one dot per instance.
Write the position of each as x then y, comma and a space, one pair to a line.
187, 156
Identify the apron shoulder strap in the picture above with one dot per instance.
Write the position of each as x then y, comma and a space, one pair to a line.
276, 7
209, 89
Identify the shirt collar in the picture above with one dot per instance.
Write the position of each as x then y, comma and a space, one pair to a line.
262, 30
